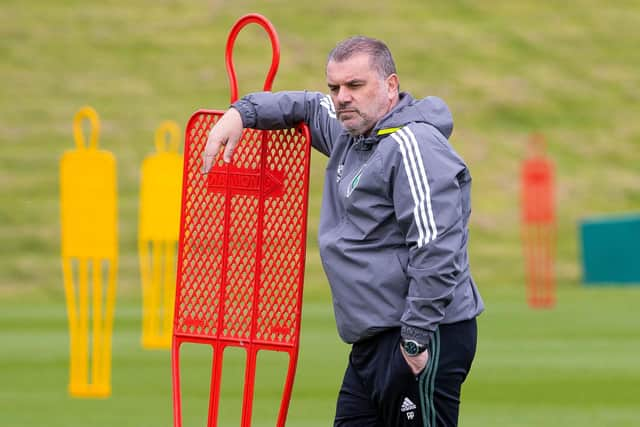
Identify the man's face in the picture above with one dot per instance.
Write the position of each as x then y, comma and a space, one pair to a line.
361, 96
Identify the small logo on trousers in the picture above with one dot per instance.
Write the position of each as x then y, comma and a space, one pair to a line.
407, 407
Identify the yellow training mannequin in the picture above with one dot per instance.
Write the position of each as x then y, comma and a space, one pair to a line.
159, 225
88, 203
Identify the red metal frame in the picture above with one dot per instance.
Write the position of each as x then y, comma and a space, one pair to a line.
242, 246
252, 18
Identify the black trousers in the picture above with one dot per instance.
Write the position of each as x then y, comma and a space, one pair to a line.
379, 389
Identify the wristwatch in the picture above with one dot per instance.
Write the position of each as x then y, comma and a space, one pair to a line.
412, 347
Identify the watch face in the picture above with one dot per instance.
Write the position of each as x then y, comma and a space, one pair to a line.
411, 347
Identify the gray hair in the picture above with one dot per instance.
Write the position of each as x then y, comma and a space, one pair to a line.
378, 53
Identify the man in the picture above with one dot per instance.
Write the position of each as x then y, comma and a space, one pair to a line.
393, 234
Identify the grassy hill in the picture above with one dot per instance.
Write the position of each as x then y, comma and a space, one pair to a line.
507, 69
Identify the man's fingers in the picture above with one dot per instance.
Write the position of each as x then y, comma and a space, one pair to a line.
228, 152
207, 162
212, 149
226, 132
209, 155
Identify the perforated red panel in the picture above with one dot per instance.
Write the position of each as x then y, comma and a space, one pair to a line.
242, 237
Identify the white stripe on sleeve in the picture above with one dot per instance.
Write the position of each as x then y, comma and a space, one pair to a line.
425, 181
403, 149
327, 103
413, 161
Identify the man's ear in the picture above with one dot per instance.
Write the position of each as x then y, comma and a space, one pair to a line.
393, 85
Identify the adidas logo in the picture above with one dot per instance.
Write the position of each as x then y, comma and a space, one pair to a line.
407, 405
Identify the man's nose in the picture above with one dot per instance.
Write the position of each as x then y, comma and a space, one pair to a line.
344, 96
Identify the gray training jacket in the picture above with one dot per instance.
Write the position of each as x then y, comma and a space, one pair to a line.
394, 221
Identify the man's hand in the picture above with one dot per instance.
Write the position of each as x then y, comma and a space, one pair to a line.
416, 363
226, 132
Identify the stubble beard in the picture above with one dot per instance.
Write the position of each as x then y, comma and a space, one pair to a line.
361, 125
364, 123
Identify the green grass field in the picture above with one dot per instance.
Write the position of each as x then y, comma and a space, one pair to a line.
506, 68
565, 367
